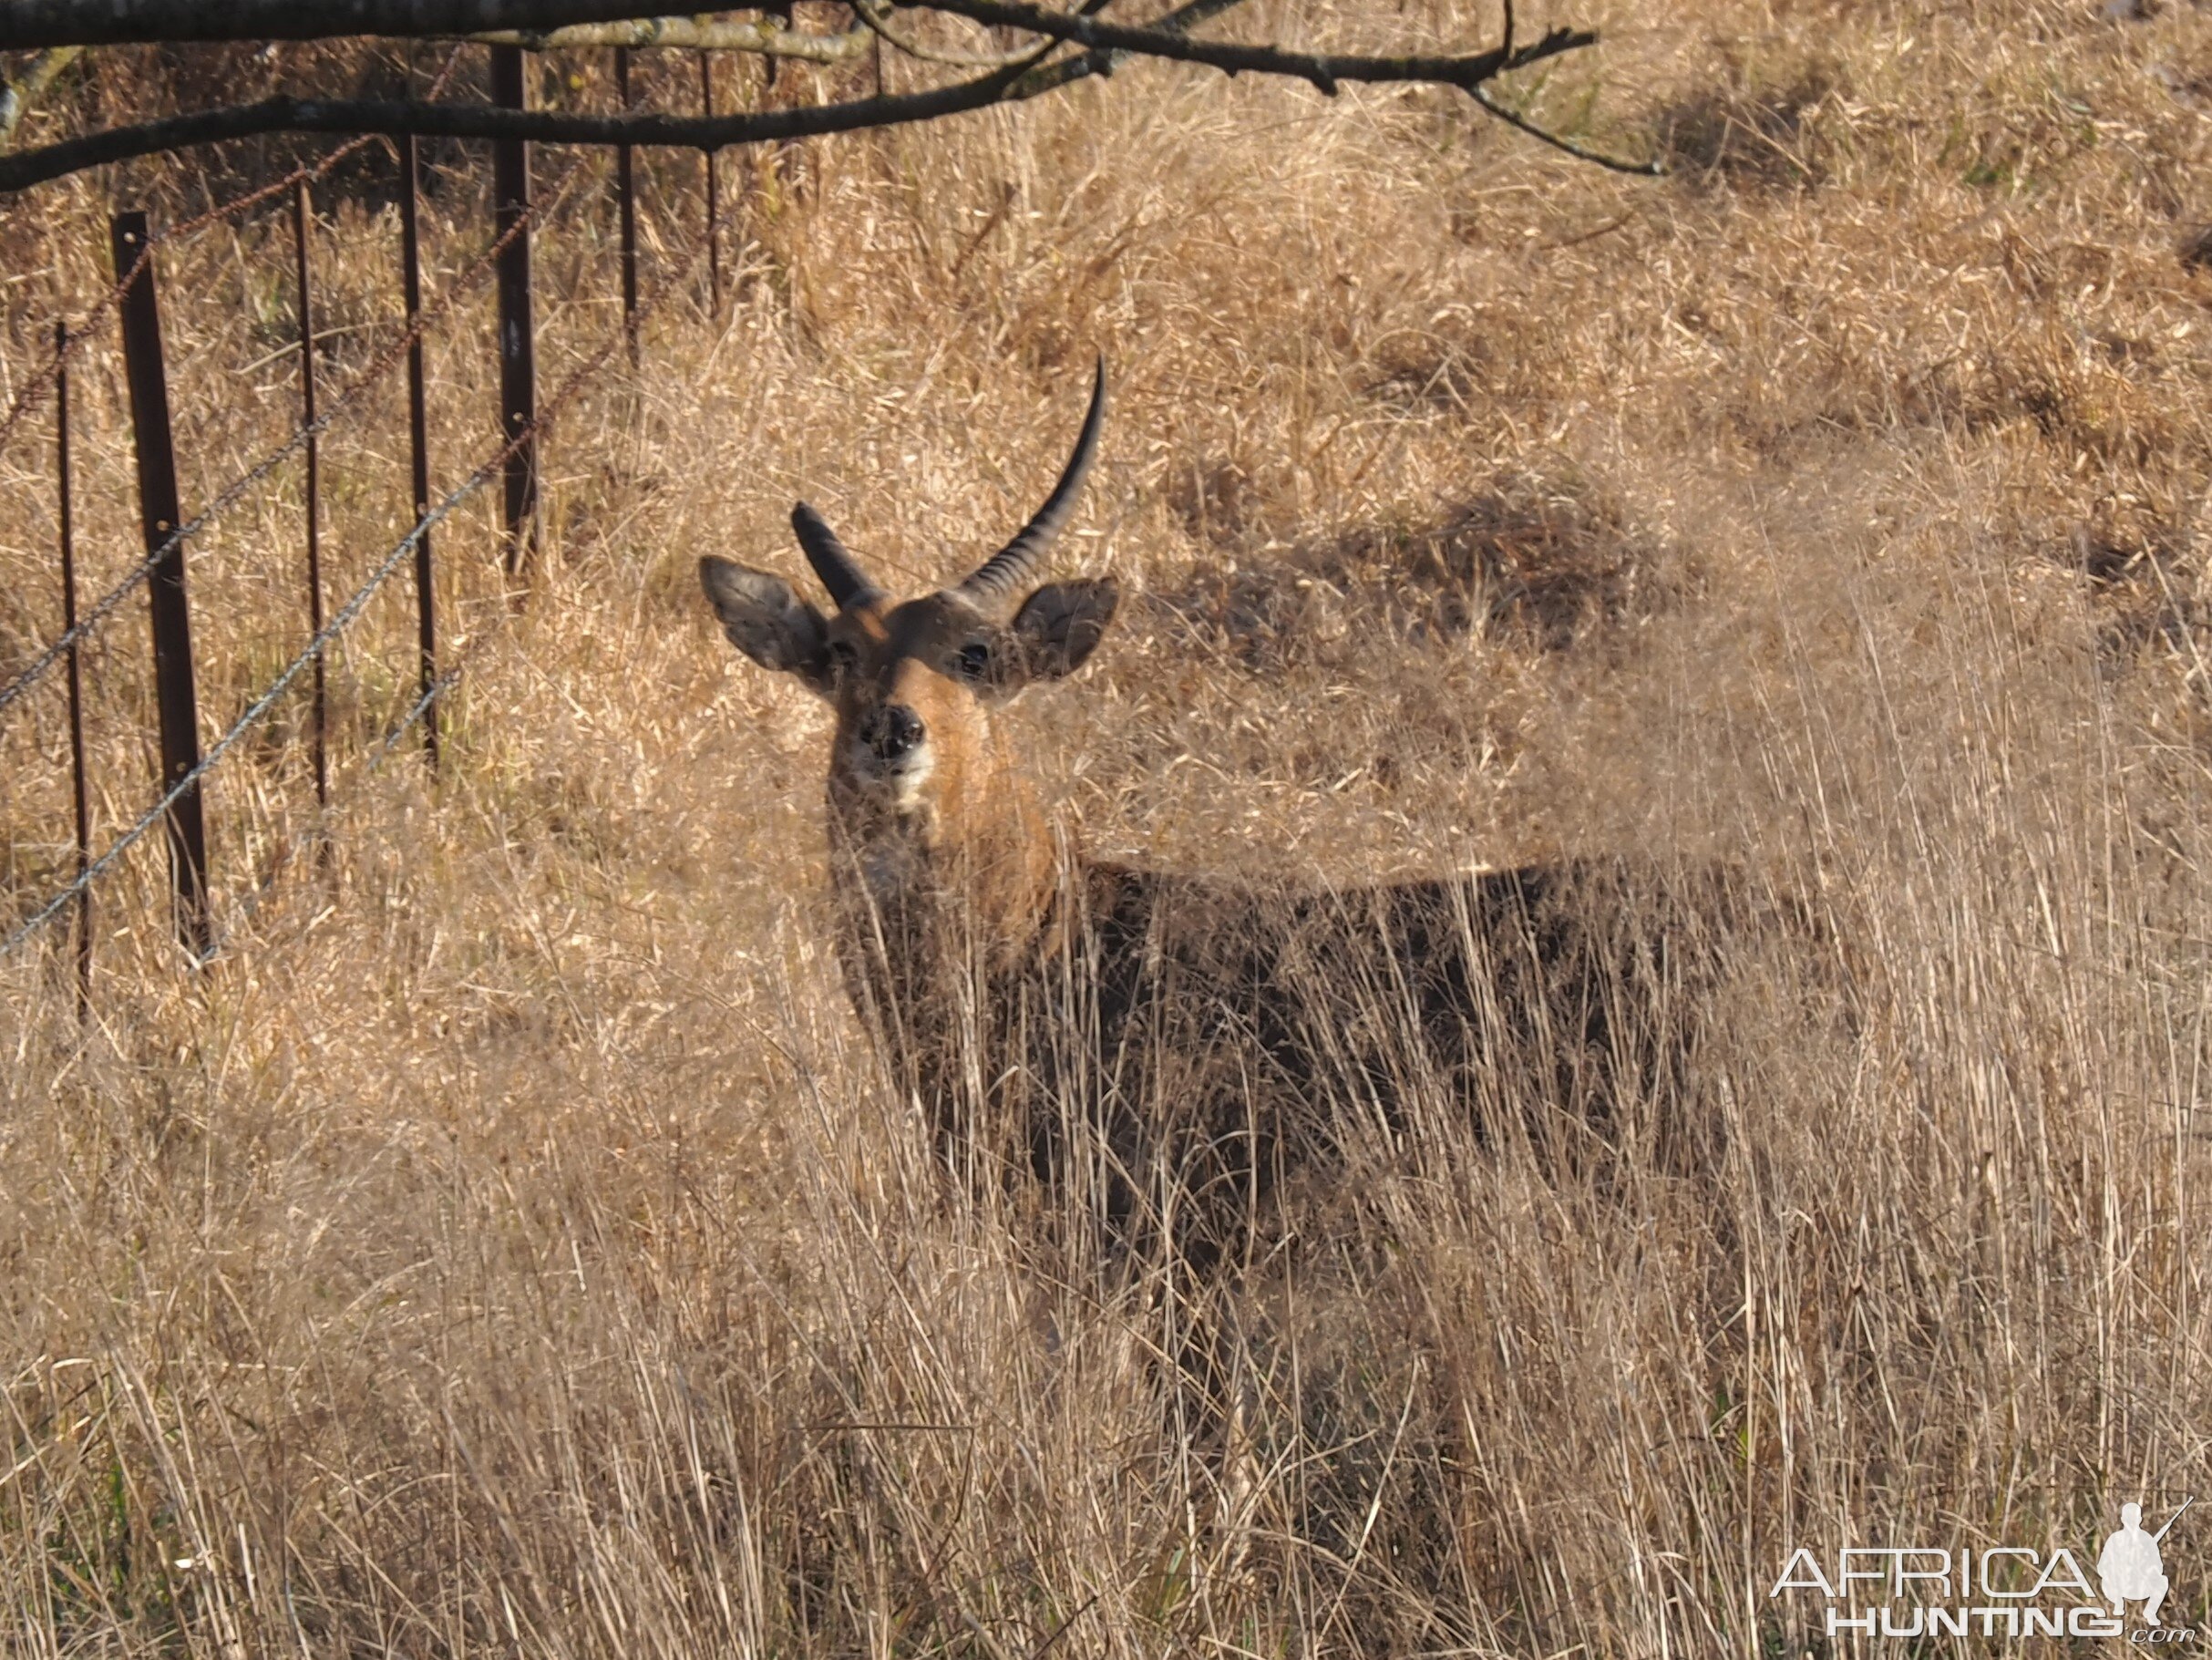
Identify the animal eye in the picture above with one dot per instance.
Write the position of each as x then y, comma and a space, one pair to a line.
972, 660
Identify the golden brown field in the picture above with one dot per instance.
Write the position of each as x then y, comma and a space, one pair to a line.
508, 1244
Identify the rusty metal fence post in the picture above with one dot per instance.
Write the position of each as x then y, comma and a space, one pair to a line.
625, 189
419, 442
76, 684
714, 190
172, 626
300, 210
518, 356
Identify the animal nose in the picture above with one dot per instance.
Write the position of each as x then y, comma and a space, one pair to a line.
891, 731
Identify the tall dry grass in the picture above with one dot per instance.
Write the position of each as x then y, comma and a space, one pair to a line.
508, 1242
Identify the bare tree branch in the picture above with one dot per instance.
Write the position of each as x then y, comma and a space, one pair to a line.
95, 23
393, 118
1027, 78
18, 96
1324, 70
1044, 77
768, 37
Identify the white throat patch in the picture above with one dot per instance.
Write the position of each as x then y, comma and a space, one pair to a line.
898, 784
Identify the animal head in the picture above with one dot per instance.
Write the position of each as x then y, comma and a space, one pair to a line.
913, 682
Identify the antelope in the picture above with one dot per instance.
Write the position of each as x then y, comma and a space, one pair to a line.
1179, 1045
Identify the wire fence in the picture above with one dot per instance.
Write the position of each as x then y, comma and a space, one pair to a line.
519, 211
346, 613
34, 391
231, 494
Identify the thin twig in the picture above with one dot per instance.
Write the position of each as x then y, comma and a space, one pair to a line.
1654, 169
877, 18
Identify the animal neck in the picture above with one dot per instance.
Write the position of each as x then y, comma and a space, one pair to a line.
973, 874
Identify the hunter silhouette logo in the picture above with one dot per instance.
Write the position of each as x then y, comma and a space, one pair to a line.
2129, 1568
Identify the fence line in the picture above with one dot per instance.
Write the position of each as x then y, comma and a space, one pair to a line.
313, 650
35, 388
522, 427
238, 487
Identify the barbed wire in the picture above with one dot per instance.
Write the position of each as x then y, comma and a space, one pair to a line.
35, 390
330, 631
228, 497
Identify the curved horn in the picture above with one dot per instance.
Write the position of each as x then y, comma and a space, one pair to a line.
832, 560
998, 574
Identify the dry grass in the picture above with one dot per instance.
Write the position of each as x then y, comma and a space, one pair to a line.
507, 1243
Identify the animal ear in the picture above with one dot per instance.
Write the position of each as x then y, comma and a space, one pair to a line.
1060, 623
766, 621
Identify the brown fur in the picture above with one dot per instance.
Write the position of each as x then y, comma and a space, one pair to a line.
974, 814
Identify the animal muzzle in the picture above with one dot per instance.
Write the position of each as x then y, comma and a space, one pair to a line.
891, 732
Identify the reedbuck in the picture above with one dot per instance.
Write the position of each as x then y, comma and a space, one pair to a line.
1180, 1048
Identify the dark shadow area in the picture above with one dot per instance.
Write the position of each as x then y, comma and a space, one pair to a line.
1750, 138
2195, 248
2146, 582
1530, 564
